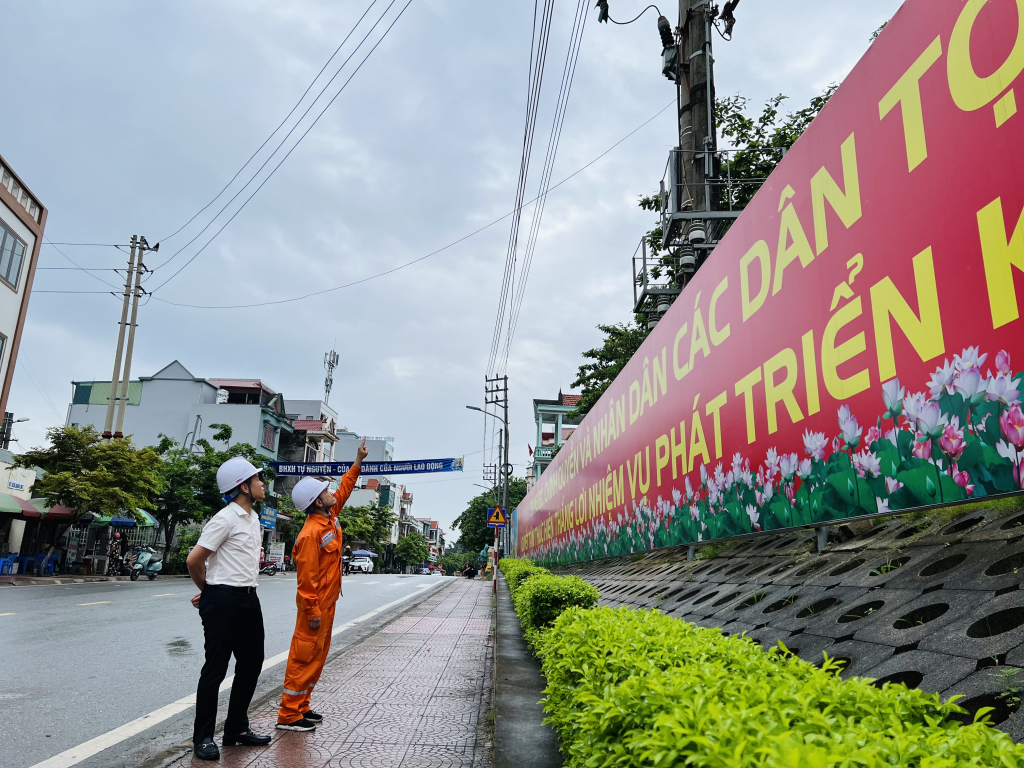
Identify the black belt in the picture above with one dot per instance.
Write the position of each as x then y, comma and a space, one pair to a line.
228, 586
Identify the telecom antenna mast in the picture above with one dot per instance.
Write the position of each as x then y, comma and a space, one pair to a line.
330, 363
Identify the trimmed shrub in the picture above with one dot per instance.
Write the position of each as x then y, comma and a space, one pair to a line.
637, 688
516, 571
541, 598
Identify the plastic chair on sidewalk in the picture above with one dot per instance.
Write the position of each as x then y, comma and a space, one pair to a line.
7, 564
47, 566
27, 564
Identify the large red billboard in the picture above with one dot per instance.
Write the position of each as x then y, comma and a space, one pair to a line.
850, 346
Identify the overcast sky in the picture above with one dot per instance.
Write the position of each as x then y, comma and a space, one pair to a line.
128, 117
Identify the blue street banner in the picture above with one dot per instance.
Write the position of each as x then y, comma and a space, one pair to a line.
334, 468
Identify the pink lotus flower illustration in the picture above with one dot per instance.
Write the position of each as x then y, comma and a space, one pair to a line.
849, 429
922, 447
815, 444
1011, 424
892, 396
1003, 389
942, 380
952, 440
930, 419
866, 463
1003, 361
963, 479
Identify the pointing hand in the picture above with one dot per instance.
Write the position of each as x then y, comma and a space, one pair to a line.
362, 451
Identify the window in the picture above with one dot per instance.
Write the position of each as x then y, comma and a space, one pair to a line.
12, 253
3, 347
268, 436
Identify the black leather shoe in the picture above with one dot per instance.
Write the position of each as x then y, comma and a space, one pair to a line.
247, 739
207, 750
314, 717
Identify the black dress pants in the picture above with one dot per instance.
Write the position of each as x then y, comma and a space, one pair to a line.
233, 624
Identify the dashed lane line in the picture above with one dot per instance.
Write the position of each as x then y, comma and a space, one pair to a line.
165, 594
6, 614
84, 751
98, 602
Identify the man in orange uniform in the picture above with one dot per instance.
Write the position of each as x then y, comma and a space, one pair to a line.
317, 557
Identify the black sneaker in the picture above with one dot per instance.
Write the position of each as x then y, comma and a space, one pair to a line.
314, 717
206, 750
299, 725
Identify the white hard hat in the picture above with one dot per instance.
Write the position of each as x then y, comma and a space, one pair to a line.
306, 492
233, 473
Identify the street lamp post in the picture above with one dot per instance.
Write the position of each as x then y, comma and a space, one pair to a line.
504, 487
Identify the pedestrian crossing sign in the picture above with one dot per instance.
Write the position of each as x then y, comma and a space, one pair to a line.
496, 518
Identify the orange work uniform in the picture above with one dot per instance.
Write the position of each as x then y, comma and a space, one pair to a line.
317, 557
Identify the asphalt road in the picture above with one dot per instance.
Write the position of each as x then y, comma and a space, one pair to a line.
77, 661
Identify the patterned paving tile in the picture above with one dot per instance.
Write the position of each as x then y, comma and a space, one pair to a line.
412, 695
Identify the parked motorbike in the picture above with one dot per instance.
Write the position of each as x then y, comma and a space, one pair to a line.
147, 561
345, 570
269, 568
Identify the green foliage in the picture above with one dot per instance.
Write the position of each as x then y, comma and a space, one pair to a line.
621, 341
637, 688
474, 534
539, 599
412, 549
518, 570
356, 523
86, 474
452, 561
761, 141
187, 538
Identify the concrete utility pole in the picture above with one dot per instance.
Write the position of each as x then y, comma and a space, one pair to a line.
115, 377
696, 102
123, 400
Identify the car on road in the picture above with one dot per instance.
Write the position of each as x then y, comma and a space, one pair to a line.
360, 565
424, 571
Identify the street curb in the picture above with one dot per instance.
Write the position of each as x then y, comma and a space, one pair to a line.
520, 735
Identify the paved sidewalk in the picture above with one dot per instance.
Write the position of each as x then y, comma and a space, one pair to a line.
416, 694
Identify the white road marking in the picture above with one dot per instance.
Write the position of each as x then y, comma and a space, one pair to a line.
98, 602
94, 746
6, 614
368, 583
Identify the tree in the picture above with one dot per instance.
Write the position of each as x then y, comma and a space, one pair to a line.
761, 141
86, 474
620, 343
472, 523
356, 523
179, 500
452, 561
412, 549
189, 489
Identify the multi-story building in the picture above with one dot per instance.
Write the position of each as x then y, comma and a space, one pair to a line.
553, 428
22, 221
434, 535
184, 407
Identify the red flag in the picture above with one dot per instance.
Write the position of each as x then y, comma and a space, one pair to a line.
530, 449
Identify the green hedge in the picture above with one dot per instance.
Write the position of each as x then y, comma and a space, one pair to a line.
637, 688
516, 571
539, 597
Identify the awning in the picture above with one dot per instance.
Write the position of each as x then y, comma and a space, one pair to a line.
122, 521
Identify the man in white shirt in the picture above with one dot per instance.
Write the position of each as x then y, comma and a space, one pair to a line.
225, 566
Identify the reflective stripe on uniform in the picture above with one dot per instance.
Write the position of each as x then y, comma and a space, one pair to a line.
296, 693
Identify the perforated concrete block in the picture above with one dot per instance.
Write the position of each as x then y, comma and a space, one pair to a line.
920, 618
769, 637
747, 607
858, 657
789, 612
958, 530
1000, 528
992, 626
940, 565
737, 628
885, 566
993, 687
865, 540
992, 565
927, 671
859, 611
810, 648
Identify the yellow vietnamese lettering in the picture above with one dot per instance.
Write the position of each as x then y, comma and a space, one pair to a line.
907, 93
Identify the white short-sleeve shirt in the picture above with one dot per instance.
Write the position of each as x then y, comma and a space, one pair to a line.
236, 539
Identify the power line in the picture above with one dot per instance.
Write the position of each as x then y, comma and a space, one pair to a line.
58, 250
97, 245
539, 41
452, 244
274, 132
296, 144
561, 105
